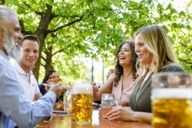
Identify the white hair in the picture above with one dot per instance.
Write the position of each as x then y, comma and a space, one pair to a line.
5, 14
13, 49
9, 45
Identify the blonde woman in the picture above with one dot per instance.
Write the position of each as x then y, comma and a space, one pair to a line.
154, 55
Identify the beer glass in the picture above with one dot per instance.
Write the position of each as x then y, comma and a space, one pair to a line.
82, 97
172, 100
67, 101
107, 102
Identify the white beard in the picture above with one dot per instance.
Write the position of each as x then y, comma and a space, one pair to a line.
12, 48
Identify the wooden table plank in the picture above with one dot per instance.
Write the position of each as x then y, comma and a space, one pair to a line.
64, 121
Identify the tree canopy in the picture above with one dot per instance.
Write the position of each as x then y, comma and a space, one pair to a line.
70, 29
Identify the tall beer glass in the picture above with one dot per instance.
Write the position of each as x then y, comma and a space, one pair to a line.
172, 100
82, 97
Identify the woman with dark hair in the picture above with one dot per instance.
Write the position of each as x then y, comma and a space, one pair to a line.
120, 83
47, 75
155, 55
50, 77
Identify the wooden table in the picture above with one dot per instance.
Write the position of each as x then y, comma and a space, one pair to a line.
64, 121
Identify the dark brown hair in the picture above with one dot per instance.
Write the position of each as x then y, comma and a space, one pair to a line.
48, 73
31, 37
119, 68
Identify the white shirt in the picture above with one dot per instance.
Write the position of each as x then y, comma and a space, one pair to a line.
27, 81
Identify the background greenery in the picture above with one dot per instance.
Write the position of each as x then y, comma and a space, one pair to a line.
72, 30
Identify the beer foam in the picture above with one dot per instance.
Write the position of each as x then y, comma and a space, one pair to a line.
82, 88
178, 93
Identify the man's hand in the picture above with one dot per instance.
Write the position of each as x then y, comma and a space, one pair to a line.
58, 89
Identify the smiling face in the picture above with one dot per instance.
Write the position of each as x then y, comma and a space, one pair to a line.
12, 36
125, 55
54, 78
144, 56
30, 54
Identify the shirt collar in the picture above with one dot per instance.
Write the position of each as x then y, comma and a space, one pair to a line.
18, 67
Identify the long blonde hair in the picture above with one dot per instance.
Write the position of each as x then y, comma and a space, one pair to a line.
157, 43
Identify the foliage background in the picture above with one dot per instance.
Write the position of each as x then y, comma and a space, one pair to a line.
71, 31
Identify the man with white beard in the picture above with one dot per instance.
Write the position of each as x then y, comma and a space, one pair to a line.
14, 104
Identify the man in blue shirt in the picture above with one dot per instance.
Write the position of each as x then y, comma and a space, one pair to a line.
13, 102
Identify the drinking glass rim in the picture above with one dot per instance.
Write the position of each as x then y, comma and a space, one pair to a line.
170, 73
175, 77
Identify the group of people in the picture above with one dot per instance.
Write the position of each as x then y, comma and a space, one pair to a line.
19, 106
130, 82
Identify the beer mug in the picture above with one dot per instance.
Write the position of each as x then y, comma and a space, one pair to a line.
172, 100
82, 97
107, 102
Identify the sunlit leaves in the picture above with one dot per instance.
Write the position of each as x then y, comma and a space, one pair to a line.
102, 26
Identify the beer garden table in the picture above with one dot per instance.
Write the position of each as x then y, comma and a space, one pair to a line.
64, 121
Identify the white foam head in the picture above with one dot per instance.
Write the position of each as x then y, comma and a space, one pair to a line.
170, 93
82, 88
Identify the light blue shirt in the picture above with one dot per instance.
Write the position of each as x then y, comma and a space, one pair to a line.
15, 105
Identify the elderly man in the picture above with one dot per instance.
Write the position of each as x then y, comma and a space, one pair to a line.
30, 46
14, 104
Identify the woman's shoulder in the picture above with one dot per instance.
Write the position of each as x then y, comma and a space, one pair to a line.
173, 67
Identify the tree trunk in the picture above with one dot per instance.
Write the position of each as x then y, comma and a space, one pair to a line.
41, 32
2, 2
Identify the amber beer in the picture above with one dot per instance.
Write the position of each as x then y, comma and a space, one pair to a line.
172, 100
82, 104
104, 110
172, 108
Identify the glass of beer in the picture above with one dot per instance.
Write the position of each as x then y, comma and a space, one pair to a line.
172, 100
67, 101
107, 102
82, 97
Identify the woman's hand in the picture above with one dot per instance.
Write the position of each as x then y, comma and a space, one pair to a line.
95, 90
123, 103
121, 113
